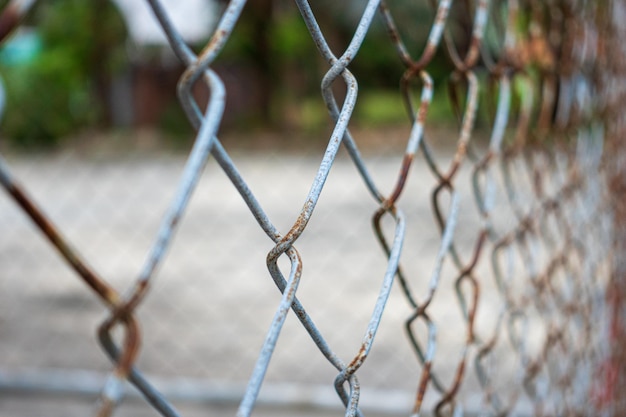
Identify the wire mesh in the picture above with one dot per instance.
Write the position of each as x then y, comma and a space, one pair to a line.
529, 274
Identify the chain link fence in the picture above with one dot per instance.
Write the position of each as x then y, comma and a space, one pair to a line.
492, 282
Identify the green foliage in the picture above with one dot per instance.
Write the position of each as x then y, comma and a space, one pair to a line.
290, 38
286, 59
52, 95
41, 106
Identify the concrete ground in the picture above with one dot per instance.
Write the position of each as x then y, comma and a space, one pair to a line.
212, 301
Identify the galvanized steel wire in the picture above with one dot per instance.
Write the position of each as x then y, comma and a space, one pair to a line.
544, 158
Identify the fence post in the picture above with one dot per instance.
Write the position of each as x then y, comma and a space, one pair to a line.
615, 100
615, 369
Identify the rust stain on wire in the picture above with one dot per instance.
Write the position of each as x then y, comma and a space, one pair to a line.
56, 238
12, 15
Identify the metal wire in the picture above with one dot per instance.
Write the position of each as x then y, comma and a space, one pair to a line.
542, 171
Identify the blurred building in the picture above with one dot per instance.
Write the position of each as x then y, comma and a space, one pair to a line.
194, 19
146, 94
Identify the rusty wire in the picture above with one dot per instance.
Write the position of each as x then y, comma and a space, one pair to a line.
537, 60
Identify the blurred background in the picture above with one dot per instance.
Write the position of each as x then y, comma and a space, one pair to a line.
93, 129
76, 67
